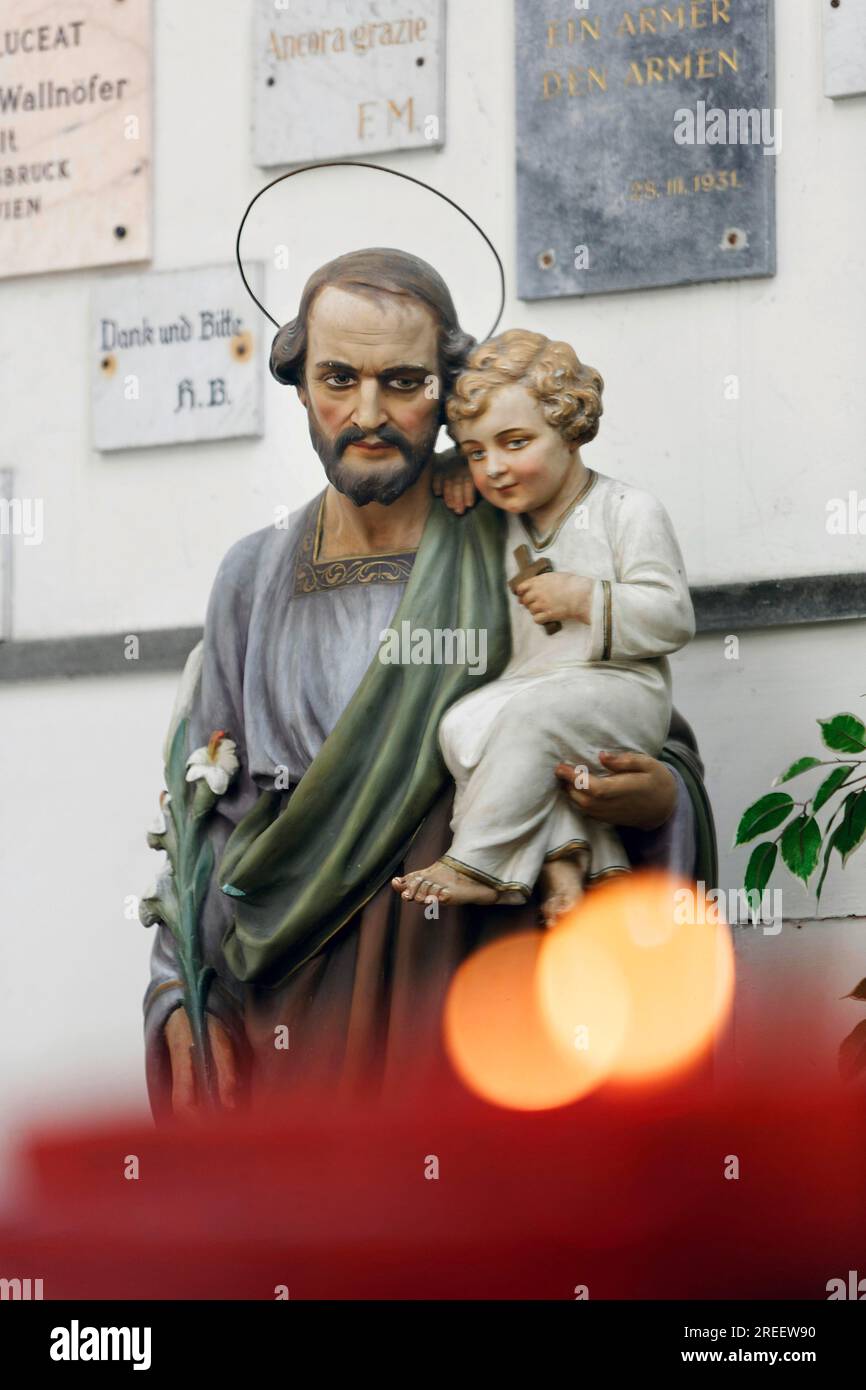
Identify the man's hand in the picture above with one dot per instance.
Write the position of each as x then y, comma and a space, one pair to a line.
178, 1036
556, 596
639, 792
452, 481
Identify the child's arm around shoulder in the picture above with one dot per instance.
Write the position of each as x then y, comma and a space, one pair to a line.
646, 611
452, 481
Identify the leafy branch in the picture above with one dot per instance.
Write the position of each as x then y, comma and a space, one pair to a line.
801, 839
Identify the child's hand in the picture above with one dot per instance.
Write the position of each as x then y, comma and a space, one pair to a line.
452, 481
556, 596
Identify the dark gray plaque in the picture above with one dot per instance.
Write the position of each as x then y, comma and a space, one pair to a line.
646, 144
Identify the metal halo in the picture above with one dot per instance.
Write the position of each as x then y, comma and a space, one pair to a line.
380, 169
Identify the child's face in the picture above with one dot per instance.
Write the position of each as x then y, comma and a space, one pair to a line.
518, 461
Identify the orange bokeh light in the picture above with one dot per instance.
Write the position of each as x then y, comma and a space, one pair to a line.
497, 1037
678, 967
631, 987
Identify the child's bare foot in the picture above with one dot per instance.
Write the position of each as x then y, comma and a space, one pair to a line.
562, 883
442, 882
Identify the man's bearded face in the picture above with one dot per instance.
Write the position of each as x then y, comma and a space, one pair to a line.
383, 485
372, 413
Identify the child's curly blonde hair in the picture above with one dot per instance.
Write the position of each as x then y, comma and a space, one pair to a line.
568, 391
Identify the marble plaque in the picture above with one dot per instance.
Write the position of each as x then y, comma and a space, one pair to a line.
646, 144
75, 134
844, 48
177, 358
337, 78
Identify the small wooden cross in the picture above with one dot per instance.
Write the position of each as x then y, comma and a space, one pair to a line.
527, 568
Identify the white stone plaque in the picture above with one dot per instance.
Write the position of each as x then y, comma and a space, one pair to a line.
337, 78
75, 134
844, 48
177, 358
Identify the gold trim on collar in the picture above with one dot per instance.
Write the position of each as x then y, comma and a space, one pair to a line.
312, 574
548, 540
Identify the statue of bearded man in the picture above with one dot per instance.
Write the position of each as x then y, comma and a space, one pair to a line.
342, 783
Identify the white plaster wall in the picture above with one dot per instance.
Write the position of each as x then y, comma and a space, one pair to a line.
81, 773
132, 540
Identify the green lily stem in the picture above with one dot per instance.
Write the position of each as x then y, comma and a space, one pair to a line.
196, 979
202, 1056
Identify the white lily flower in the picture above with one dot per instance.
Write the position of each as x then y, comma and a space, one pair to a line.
217, 763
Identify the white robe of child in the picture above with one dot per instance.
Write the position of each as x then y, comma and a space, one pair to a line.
565, 697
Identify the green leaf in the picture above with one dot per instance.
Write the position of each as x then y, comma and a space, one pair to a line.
852, 1053
202, 874
831, 784
801, 765
849, 835
760, 866
831, 845
844, 733
205, 975
175, 768
858, 992
801, 845
763, 815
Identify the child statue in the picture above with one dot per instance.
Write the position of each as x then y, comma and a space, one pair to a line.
588, 668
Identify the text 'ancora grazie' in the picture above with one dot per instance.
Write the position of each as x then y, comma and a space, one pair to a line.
360, 39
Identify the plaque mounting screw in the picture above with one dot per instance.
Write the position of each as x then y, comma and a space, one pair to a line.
546, 260
734, 239
120, 233
241, 346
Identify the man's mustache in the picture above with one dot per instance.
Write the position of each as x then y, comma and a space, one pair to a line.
386, 434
